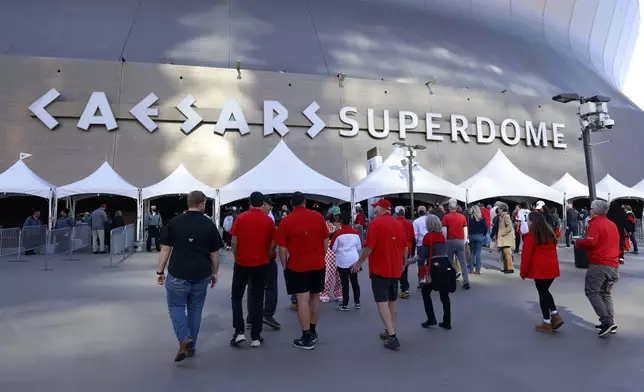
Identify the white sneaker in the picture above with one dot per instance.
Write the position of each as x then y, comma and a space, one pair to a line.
255, 343
324, 299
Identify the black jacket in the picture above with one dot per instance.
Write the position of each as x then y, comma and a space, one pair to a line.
572, 218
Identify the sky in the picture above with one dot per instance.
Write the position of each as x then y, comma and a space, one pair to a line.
634, 82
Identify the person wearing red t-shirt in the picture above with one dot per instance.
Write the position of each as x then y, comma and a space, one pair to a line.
539, 261
253, 247
603, 245
455, 230
411, 245
360, 219
303, 238
386, 247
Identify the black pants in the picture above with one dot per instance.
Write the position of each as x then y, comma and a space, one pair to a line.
269, 291
517, 242
634, 241
621, 247
426, 290
241, 277
347, 276
153, 232
404, 278
227, 238
546, 301
570, 231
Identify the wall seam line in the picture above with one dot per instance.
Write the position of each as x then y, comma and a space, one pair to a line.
33, 16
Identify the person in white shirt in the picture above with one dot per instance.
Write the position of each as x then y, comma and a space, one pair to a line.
347, 246
420, 226
228, 225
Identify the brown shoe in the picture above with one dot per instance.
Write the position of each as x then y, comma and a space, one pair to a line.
544, 327
557, 321
183, 349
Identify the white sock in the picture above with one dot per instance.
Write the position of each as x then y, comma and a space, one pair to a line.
546, 321
554, 312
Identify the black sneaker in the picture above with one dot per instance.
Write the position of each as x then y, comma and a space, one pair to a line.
238, 338
466, 286
428, 324
445, 326
358, 306
392, 343
604, 330
384, 335
621, 260
458, 275
613, 328
342, 308
271, 322
304, 344
314, 337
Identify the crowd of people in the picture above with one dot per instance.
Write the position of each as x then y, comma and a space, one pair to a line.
435, 240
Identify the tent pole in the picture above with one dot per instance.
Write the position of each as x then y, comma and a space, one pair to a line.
52, 209
217, 208
565, 207
353, 205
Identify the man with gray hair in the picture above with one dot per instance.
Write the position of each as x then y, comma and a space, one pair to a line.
455, 231
602, 243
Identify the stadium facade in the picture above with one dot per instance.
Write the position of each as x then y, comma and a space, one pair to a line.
333, 78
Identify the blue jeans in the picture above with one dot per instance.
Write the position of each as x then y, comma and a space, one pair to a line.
190, 296
476, 243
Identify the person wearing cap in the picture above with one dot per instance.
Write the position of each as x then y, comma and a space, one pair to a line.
386, 247
411, 246
191, 244
253, 248
98, 223
332, 283
455, 231
360, 218
270, 285
303, 238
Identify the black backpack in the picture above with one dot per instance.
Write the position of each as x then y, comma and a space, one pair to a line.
442, 271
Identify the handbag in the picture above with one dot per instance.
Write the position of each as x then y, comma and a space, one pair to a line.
493, 245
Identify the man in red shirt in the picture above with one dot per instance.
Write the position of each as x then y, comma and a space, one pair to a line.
386, 247
455, 230
602, 243
253, 247
303, 238
411, 246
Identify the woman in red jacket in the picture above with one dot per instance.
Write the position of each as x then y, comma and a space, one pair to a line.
539, 261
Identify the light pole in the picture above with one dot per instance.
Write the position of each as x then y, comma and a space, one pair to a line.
411, 152
593, 117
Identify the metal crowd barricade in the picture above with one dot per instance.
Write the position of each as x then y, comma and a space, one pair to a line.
59, 242
360, 231
81, 237
10, 241
121, 244
33, 238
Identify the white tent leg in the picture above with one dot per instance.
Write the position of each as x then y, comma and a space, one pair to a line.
217, 207
139, 218
53, 206
353, 205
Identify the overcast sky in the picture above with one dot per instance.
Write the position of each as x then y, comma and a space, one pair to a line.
634, 83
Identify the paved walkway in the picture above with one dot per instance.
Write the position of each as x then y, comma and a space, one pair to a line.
84, 327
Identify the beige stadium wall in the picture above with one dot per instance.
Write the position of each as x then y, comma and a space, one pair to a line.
67, 153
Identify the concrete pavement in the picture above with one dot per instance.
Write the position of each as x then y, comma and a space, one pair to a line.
84, 327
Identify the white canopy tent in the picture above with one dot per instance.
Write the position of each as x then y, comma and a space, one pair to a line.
500, 178
639, 186
104, 181
179, 182
574, 189
392, 177
20, 180
617, 190
283, 172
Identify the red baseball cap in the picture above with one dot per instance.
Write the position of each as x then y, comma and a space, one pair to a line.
103, 205
382, 203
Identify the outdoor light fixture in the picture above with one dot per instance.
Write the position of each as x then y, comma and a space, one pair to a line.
429, 84
341, 76
409, 160
238, 67
593, 117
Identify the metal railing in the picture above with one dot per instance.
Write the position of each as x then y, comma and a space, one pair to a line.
33, 239
59, 242
81, 237
121, 244
10, 241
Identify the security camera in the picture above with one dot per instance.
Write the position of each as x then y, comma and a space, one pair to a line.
580, 136
608, 123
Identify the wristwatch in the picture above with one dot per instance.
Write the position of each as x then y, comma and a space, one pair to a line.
160, 273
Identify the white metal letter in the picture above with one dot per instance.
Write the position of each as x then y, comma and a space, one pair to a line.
480, 137
504, 132
38, 108
459, 129
193, 119
371, 125
557, 136
231, 117
430, 126
97, 104
142, 112
403, 126
274, 116
538, 137
344, 117
317, 124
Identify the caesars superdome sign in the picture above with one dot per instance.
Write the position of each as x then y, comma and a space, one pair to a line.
275, 118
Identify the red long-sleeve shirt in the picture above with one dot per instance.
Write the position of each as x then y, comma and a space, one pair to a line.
602, 242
